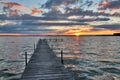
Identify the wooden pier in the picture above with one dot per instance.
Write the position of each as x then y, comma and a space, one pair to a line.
44, 65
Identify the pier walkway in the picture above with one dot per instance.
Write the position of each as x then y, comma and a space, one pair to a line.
44, 65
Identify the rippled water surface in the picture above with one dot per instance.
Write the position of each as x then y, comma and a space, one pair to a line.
86, 57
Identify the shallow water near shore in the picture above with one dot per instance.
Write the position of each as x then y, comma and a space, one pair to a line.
86, 57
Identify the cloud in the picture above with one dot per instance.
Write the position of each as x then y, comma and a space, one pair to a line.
23, 29
90, 32
65, 8
60, 29
84, 30
109, 26
86, 13
115, 14
57, 8
73, 11
14, 12
90, 3
13, 8
36, 10
7, 22
92, 19
51, 3
114, 5
54, 23
27, 17
105, 4
12, 4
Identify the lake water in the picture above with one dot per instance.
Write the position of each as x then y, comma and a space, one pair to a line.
86, 57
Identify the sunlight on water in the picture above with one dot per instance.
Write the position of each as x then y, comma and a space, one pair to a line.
91, 57
86, 57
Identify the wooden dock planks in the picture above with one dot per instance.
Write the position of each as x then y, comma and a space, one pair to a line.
44, 65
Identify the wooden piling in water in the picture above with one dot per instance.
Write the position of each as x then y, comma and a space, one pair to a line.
34, 46
62, 61
26, 58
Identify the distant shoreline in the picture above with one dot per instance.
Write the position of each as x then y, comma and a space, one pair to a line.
59, 35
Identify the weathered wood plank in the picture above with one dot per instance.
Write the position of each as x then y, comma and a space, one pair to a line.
44, 65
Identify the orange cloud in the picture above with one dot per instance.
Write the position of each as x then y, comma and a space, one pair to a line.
13, 12
103, 5
116, 14
115, 7
13, 8
12, 4
78, 31
57, 8
36, 10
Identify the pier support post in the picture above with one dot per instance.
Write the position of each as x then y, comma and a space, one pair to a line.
26, 58
34, 47
62, 61
52, 46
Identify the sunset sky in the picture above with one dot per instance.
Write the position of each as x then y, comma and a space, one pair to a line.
59, 17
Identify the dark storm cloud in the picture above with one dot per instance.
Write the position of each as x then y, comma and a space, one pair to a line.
91, 19
22, 29
109, 26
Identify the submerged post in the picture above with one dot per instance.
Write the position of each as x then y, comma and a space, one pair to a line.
26, 58
62, 61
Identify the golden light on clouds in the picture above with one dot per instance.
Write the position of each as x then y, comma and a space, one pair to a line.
82, 30
90, 32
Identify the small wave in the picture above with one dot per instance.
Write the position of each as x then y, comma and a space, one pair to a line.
11, 61
1, 59
93, 54
111, 70
109, 77
83, 78
8, 76
110, 63
94, 73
